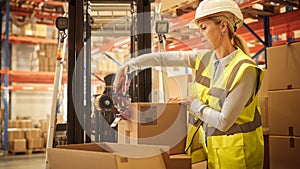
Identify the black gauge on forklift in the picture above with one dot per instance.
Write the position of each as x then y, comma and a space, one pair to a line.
162, 27
62, 23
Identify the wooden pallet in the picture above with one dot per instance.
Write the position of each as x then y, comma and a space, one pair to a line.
28, 151
36, 150
19, 151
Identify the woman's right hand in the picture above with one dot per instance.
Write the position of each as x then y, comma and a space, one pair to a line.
121, 82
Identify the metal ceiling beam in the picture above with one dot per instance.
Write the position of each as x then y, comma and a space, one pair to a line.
257, 12
287, 3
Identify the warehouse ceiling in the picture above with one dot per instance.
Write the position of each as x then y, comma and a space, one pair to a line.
114, 20
111, 20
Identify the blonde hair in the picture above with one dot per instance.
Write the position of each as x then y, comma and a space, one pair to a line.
237, 40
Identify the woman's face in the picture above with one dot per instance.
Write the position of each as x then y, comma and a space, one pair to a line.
210, 32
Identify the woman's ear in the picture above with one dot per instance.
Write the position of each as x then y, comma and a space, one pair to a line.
223, 26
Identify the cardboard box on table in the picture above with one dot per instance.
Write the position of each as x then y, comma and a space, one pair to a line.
113, 156
284, 152
155, 124
284, 67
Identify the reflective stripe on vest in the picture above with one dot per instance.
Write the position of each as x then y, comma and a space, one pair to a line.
205, 81
237, 128
193, 120
222, 94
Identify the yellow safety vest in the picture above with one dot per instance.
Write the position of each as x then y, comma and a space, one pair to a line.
241, 146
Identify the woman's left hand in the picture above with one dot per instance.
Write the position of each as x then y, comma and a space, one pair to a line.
187, 100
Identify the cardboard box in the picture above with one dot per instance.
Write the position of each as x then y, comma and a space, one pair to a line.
284, 66
179, 161
20, 124
27, 30
41, 30
33, 133
23, 117
25, 123
263, 91
106, 155
59, 118
15, 133
200, 165
13, 124
263, 103
172, 84
155, 124
284, 152
284, 116
35, 143
43, 125
17, 145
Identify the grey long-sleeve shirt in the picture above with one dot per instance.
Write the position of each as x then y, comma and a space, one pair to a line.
236, 99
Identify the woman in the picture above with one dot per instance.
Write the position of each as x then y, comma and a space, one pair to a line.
224, 95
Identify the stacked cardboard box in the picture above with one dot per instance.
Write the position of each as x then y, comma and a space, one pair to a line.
43, 125
283, 105
263, 102
20, 124
16, 140
23, 137
47, 57
34, 138
36, 30
17, 145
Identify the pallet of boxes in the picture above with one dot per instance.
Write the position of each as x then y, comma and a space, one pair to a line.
280, 103
23, 138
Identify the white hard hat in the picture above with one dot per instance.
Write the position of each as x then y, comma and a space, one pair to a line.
209, 7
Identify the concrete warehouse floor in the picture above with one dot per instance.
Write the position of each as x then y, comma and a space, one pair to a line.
20, 161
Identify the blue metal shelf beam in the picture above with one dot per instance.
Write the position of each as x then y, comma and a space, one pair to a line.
6, 78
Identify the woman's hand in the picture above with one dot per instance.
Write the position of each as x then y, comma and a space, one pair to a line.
187, 100
121, 82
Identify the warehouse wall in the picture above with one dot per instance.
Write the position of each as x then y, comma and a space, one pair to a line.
34, 104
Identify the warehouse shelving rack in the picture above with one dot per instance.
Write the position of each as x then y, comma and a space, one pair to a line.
21, 10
